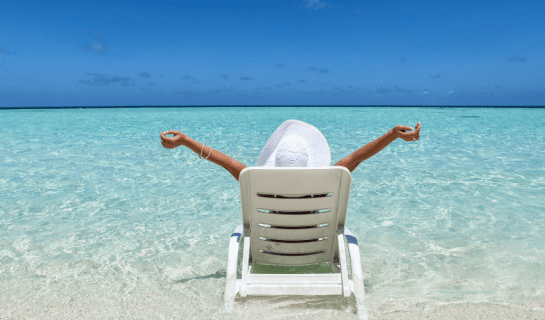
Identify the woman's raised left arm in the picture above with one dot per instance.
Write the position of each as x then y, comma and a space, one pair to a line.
372, 148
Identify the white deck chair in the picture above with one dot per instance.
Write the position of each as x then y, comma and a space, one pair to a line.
294, 217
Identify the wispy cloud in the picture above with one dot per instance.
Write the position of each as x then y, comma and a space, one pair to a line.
245, 78
224, 76
315, 4
403, 91
516, 59
382, 90
312, 92
99, 42
4, 49
189, 78
100, 79
313, 68
435, 76
145, 74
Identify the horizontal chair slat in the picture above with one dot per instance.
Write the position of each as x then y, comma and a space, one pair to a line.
324, 278
265, 258
295, 196
293, 204
294, 248
295, 220
294, 289
297, 234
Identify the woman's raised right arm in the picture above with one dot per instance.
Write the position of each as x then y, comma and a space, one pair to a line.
233, 166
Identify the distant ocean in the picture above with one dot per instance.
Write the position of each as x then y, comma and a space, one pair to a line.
98, 220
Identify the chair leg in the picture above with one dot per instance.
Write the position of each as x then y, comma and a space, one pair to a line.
231, 274
357, 277
344, 269
245, 266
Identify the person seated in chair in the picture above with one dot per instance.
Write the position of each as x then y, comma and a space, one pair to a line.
293, 144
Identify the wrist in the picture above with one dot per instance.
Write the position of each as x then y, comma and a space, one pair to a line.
184, 140
393, 133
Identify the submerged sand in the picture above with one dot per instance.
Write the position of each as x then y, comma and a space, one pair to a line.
202, 299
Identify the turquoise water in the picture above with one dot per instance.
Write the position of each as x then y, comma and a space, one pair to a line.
96, 214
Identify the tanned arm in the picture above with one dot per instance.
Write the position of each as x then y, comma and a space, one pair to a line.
372, 148
233, 166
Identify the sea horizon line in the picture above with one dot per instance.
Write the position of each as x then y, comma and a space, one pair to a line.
266, 106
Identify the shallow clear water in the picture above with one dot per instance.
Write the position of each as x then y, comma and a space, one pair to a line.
94, 210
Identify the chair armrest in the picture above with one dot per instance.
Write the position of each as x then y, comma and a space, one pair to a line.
355, 262
237, 233
232, 264
350, 237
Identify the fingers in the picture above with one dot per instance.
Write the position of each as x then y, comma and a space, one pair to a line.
408, 128
405, 128
417, 131
165, 138
409, 136
166, 141
402, 133
167, 145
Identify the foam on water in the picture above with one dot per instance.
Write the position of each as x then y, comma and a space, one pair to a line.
98, 219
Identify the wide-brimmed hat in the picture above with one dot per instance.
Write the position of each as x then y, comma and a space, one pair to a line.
295, 144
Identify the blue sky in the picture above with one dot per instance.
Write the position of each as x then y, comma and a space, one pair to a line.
261, 52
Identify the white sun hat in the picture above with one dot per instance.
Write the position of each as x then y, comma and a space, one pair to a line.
295, 144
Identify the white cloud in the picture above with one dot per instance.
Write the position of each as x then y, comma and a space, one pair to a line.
99, 42
315, 4
97, 47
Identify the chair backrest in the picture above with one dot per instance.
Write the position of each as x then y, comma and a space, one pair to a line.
293, 215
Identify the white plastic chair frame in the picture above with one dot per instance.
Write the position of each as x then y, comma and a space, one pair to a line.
284, 207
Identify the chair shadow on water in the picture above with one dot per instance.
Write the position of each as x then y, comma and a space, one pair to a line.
217, 275
308, 303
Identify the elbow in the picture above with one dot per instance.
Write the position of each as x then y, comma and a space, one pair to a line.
347, 166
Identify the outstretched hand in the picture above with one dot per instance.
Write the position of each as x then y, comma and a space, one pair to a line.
402, 133
171, 143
